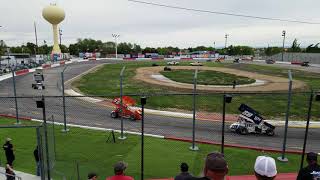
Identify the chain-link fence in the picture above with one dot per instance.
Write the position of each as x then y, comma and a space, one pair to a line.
171, 123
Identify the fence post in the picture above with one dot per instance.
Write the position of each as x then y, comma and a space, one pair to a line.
122, 137
78, 171
307, 130
283, 158
227, 98
41, 104
15, 95
64, 103
54, 137
143, 102
194, 147
40, 152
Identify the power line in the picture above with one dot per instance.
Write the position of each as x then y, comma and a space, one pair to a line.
223, 13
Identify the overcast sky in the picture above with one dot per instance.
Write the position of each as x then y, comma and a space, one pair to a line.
157, 26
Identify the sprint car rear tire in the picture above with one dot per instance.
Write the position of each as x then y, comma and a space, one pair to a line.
243, 130
132, 118
270, 133
114, 114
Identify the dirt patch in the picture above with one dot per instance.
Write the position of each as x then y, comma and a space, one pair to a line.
272, 83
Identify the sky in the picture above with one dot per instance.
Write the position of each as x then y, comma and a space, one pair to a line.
158, 26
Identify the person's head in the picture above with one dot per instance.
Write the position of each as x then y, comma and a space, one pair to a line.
265, 168
184, 167
216, 166
120, 167
312, 158
8, 139
92, 176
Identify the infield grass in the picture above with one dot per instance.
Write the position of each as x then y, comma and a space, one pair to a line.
105, 82
89, 149
206, 77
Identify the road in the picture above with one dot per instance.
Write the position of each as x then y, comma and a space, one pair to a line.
89, 114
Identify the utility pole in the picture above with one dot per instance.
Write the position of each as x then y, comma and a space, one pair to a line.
284, 38
116, 43
36, 35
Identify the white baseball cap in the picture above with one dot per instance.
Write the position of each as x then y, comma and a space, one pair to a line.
265, 166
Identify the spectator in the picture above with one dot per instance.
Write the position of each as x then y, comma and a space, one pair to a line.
37, 159
92, 176
119, 169
265, 168
9, 173
312, 171
8, 149
215, 168
184, 172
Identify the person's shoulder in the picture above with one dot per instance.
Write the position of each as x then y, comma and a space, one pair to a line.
198, 178
128, 178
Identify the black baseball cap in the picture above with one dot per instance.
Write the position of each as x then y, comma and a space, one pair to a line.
215, 162
311, 156
91, 175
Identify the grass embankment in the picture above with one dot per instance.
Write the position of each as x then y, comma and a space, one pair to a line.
206, 77
90, 149
105, 81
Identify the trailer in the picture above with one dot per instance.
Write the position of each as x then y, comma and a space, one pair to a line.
250, 121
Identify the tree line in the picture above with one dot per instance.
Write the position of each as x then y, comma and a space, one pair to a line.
91, 45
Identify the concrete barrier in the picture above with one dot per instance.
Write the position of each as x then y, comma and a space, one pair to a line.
22, 72
129, 59
45, 66
186, 59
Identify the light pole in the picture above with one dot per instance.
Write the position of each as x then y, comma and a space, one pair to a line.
115, 36
284, 38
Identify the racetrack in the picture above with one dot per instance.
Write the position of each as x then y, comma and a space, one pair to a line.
89, 114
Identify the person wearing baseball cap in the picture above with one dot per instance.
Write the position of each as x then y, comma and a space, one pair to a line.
119, 169
8, 149
265, 168
312, 171
92, 176
215, 168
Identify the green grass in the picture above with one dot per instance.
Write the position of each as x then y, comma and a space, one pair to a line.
206, 77
92, 153
105, 81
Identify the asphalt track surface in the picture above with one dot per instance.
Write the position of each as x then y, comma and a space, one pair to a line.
89, 114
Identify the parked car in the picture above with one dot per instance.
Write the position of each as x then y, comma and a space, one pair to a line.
173, 63
270, 61
196, 64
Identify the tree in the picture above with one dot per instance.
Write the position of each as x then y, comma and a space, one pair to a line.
2, 47
125, 48
272, 51
313, 48
295, 46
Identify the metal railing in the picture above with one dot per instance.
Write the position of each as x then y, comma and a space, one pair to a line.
6, 174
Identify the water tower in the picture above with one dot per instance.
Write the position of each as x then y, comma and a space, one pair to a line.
54, 15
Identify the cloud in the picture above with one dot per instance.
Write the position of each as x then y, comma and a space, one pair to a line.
157, 26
